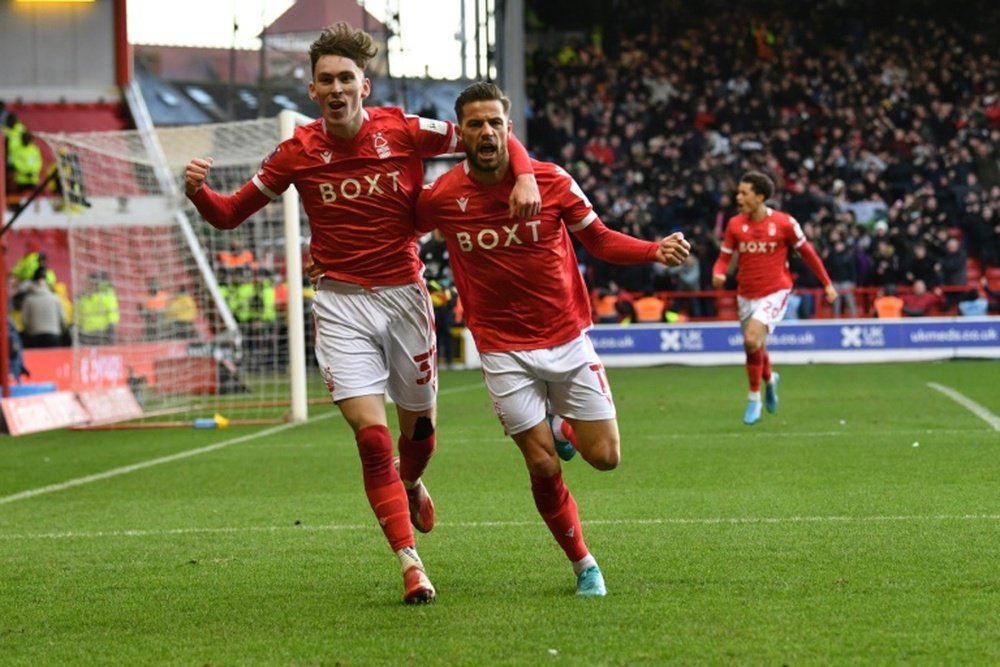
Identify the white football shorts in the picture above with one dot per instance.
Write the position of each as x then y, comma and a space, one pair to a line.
568, 380
376, 341
768, 309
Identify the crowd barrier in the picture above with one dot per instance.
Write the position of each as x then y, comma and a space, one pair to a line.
793, 342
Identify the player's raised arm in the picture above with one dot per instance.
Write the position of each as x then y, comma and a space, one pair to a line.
220, 211
196, 174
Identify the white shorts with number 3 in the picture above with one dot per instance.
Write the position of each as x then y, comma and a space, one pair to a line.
377, 341
568, 380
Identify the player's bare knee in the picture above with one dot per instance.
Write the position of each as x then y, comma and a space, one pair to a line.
605, 455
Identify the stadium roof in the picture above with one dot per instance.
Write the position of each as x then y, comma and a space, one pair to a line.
309, 16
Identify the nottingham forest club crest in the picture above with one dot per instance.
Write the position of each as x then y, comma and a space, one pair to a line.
381, 145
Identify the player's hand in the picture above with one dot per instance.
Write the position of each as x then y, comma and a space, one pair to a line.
313, 270
673, 249
525, 199
831, 293
718, 280
195, 175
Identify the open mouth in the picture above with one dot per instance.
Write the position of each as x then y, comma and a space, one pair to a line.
487, 151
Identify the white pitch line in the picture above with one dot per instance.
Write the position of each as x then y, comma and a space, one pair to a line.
969, 404
124, 470
679, 521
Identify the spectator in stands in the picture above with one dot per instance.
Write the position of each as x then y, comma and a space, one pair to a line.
859, 134
921, 301
26, 163
842, 267
607, 310
96, 312
43, 319
922, 267
181, 314
237, 256
153, 310
688, 277
973, 302
649, 308
33, 259
15, 352
437, 274
13, 133
954, 264
888, 305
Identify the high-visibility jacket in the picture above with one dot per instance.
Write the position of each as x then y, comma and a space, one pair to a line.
182, 308
92, 313
107, 293
888, 307
649, 309
607, 307
26, 162
263, 304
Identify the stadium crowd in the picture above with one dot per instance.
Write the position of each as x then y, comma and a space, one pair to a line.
881, 128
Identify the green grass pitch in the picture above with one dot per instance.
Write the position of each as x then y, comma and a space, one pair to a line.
858, 525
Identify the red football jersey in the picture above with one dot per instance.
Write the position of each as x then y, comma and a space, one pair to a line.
518, 279
359, 193
762, 264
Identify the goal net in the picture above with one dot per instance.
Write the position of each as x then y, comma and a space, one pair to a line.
199, 324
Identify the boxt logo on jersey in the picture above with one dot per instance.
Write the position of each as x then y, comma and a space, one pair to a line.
757, 246
367, 185
508, 235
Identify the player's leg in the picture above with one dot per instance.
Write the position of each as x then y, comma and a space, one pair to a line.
771, 379
598, 442
412, 386
417, 442
758, 318
356, 373
579, 390
563, 435
557, 507
754, 333
520, 398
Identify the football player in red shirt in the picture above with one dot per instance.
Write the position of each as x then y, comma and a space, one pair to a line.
528, 308
358, 171
761, 237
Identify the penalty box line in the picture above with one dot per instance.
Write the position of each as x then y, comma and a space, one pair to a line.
969, 404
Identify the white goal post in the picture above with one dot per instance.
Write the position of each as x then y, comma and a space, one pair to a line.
199, 323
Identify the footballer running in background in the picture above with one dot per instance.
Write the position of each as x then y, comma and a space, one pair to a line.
358, 171
528, 309
761, 236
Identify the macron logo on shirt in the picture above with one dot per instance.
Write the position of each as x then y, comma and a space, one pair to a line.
327, 155
462, 203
